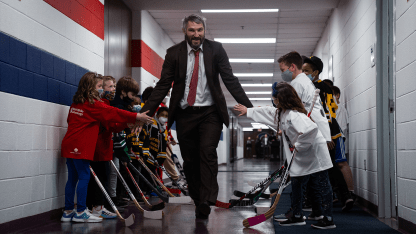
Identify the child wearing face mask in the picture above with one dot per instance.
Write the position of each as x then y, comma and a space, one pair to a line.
103, 154
85, 115
153, 140
126, 89
341, 176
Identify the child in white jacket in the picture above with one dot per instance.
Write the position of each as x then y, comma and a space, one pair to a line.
312, 158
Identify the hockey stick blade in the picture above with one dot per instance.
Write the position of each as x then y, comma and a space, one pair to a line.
251, 196
159, 206
153, 214
129, 220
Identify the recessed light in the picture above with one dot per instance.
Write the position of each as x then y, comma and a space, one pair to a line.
251, 60
254, 74
266, 92
256, 85
260, 99
246, 40
239, 10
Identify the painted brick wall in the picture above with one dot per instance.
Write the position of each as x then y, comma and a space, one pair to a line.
405, 114
43, 54
349, 34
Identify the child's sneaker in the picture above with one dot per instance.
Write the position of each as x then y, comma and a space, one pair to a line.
102, 212
293, 221
67, 217
349, 203
312, 216
280, 218
86, 217
324, 224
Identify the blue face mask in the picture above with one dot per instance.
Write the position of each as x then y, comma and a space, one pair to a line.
310, 77
136, 108
287, 75
100, 91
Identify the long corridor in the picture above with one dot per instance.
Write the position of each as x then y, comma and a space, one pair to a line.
237, 176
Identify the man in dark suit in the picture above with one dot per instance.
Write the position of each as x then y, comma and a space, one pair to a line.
198, 106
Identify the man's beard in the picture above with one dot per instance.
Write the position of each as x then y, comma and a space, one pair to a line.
189, 40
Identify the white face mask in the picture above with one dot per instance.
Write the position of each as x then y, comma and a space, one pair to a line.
163, 120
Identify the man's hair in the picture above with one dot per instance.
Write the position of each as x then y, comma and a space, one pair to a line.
107, 78
292, 57
336, 90
193, 18
161, 109
127, 84
146, 93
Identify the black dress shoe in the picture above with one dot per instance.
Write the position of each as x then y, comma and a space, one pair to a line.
202, 211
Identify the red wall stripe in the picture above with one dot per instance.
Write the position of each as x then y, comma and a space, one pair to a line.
143, 56
87, 13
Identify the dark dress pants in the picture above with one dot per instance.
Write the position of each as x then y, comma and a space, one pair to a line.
199, 131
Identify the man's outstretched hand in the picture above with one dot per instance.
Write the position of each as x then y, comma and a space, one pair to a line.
241, 108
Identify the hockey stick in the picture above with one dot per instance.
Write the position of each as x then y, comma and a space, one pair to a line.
234, 202
158, 206
177, 163
146, 214
178, 200
130, 220
263, 217
174, 182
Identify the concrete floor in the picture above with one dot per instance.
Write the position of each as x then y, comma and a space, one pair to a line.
181, 218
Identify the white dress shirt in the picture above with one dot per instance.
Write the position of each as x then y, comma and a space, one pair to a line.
203, 94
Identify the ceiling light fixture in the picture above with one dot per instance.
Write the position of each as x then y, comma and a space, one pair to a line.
260, 99
251, 60
247, 129
253, 74
266, 92
246, 40
240, 11
257, 85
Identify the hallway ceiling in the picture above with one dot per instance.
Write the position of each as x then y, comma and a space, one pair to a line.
297, 26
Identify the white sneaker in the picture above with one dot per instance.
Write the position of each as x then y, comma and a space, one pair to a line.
86, 217
67, 217
102, 212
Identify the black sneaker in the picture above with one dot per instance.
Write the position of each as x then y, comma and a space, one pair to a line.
324, 224
349, 203
313, 216
293, 221
307, 207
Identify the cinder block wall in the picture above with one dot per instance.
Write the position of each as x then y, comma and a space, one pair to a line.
348, 37
43, 54
405, 111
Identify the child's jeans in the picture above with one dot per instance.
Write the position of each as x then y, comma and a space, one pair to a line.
321, 193
78, 172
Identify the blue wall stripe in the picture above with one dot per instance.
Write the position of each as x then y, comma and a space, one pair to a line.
28, 71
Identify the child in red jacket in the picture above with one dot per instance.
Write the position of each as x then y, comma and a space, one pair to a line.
85, 115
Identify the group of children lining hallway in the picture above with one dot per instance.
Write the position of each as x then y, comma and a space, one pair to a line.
320, 174
104, 124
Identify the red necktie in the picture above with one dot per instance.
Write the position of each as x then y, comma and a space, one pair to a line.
194, 81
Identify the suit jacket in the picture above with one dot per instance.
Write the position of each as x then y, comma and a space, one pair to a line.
174, 70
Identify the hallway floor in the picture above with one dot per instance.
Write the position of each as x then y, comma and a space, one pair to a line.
181, 218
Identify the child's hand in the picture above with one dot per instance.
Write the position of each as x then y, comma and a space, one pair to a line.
240, 108
143, 117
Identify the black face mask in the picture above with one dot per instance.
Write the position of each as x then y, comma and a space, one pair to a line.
127, 100
274, 104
